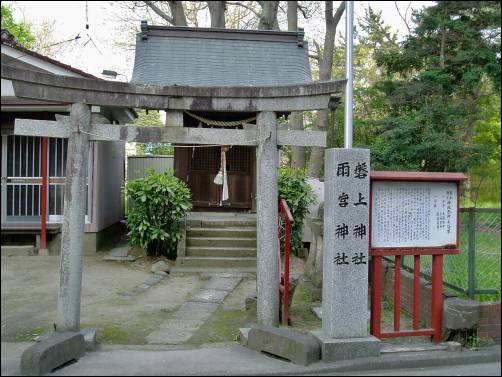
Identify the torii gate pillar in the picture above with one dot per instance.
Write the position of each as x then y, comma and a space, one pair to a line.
267, 264
72, 243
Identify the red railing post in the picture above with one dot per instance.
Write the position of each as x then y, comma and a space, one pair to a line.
43, 204
397, 293
376, 296
285, 214
437, 297
279, 235
287, 247
416, 292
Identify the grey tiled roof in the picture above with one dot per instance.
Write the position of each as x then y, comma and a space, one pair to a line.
209, 57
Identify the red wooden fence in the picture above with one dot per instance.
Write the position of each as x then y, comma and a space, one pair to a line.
398, 253
285, 215
437, 292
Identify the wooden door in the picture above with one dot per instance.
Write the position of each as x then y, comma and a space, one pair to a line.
199, 166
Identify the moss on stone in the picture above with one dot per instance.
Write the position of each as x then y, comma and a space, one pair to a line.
300, 313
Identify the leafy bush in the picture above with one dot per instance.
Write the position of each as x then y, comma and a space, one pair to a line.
293, 187
160, 202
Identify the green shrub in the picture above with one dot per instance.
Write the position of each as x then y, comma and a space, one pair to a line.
160, 202
293, 187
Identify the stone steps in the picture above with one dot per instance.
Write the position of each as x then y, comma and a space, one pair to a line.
221, 242
211, 262
17, 250
246, 271
220, 252
221, 223
228, 232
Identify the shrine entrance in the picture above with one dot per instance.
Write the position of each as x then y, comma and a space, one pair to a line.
198, 167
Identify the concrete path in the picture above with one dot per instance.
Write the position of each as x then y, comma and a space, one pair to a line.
233, 359
180, 327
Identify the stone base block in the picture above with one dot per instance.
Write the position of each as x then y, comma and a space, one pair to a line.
243, 336
52, 351
289, 344
460, 314
89, 338
346, 349
250, 301
43, 252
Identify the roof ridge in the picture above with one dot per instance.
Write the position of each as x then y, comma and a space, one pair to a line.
222, 33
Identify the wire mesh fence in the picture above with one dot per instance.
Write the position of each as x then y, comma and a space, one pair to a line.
475, 271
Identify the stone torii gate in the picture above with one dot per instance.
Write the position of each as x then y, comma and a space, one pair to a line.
266, 101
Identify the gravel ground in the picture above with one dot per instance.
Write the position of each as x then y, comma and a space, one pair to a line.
29, 287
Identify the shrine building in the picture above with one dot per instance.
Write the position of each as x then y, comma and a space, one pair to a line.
202, 57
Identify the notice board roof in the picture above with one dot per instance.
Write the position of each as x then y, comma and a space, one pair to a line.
417, 176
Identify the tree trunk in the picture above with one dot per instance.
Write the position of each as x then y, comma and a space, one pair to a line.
296, 118
268, 16
292, 15
217, 12
297, 153
325, 71
178, 13
317, 154
441, 52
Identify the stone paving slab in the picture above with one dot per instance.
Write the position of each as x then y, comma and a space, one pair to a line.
120, 251
169, 336
209, 295
128, 258
223, 283
152, 280
195, 310
193, 313
182, 324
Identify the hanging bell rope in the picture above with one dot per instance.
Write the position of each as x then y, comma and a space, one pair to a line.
220, 123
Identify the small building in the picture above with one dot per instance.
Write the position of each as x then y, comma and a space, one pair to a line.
219, 57
21, 206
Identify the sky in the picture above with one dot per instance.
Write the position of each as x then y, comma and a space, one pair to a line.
95, 50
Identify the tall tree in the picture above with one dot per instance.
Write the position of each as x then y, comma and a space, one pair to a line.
175, 16
434, 87
296, 117
324, 58
21, 31
151, 118
217, 12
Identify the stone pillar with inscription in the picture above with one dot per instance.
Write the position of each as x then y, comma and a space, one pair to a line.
345, 312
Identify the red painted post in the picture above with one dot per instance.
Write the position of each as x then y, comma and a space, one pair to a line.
376, 297
416, 292
437, 297
397, 293
279, 235
287, 248
43, 206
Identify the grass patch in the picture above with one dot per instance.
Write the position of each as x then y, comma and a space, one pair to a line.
113, 334
487, 258
300, 313
134, 331
29, 335
223, 326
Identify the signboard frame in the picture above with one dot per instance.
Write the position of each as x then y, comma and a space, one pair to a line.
422, 177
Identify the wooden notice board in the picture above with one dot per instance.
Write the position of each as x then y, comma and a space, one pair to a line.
414, 210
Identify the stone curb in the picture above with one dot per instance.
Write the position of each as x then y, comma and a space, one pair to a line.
402, 361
